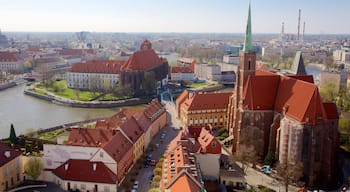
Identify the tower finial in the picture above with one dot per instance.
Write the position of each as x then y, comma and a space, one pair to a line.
247, 47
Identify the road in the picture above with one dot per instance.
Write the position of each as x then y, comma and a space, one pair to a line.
145, 173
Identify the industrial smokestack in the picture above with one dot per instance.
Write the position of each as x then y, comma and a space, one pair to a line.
282, 32
299, 25
303, 30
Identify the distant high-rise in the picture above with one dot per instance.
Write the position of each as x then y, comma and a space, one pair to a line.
299, 25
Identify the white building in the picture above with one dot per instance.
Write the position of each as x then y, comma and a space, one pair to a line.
181, 74
100, 74
232, 59
9, 62
210, 72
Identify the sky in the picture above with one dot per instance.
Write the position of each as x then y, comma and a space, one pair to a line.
198, 16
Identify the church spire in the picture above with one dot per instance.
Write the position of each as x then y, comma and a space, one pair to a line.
247, 47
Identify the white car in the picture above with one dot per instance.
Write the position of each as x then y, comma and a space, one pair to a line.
135, 185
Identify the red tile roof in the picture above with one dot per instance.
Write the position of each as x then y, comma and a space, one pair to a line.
118, 119
196, 130
89, 137
181, 70
331, 110
8, 56
83, 170
206, 141
143, 60
153, 109
132, 129
118, 146
253, 97
294, 95
202, 101
7, 154
307, 78
97, 66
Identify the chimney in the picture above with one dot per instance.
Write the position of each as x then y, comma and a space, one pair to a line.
299, 24
114, 131
66, 166
94, 166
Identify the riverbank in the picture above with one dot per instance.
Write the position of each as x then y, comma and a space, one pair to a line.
87, 104
4, 86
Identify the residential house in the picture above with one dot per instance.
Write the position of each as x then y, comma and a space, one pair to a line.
181, 73
11, 168
203, 108
94, 75
10, 62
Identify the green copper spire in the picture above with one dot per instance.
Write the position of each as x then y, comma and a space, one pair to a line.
248, 35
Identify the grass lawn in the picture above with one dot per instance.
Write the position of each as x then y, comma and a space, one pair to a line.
111, 97
51, 135
60, 88
38, 91
196, 85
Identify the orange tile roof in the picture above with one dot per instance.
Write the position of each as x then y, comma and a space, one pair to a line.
181, 98
98, 66
143, 60
202, 101
152, 108
47, 60
118, 119
83, 170
89, 137
184, 182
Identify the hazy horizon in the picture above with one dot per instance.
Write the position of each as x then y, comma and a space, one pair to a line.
166, 16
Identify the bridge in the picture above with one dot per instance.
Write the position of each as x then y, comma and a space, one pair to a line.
166, 96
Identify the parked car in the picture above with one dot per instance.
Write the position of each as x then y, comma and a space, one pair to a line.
135, 185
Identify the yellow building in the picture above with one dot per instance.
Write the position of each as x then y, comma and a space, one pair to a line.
203, 108
11, 168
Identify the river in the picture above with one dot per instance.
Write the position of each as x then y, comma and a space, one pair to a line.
26, 112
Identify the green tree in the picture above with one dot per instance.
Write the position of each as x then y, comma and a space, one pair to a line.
270, 158
157, 171
27, 64
34, 167
329, 91
149, 83
153, 190
13, 137
157, 178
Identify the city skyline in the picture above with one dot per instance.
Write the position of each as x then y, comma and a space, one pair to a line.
206, 16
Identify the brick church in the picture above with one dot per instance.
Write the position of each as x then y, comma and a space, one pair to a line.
284, 115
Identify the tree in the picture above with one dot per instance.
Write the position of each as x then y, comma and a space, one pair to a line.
153, 190
290, 172
270, 158
246, 155
329, 91
157, 171
13, 137
149, 83
34, 167
27, 64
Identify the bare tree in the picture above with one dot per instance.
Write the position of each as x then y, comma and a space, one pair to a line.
246, 155
290, 172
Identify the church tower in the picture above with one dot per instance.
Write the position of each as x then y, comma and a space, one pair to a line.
246, 68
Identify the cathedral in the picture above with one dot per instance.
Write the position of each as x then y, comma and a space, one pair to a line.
283, 115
